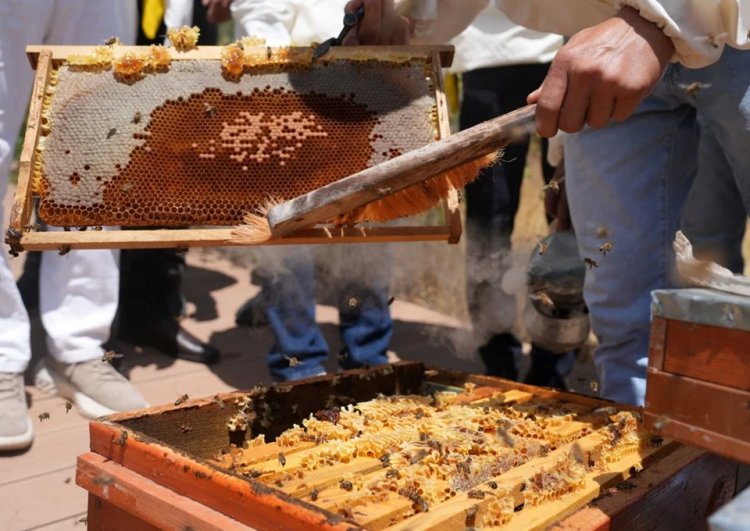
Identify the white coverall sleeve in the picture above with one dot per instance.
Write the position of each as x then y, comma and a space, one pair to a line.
178, 13
699, 28
272, 20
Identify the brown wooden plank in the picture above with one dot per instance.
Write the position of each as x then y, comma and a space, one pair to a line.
452, 513
295, 55
152, 503
398, 173
158, 239
657, 342
450, 203
708, 353
230, 495
459, 378
706, 415
105, 516
701, 482
20, 212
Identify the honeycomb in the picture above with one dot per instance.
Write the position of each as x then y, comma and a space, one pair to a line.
447, 455
189, 145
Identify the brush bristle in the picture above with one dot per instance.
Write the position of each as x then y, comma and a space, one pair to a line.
420, 197
255, 229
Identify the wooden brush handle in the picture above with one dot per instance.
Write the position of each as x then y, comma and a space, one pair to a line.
401, 172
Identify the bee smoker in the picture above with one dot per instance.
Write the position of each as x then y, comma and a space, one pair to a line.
556, 316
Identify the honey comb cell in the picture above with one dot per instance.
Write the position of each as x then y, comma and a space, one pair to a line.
207, 148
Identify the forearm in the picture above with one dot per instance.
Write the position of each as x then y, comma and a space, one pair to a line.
699, 29
271, 20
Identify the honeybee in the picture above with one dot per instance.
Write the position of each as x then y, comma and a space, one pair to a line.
103, 479
346, 485
660, 423
219, 402
33, 226
282, 459
384, 191
591, 263
123, 438
543, 246
63, 250
137, 117
127, 187
602, 232
713, 40
390, 301
694, 88
112, 41
314, 494
476, 494
505, 436
553, 185
209, 110
68, 406
293, 361
577, 453
186, 428
110, 355
594, 385
184, 398
544, 299
43, 416
353, 302
112, 132
606, 247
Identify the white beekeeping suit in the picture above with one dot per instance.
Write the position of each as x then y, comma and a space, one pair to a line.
288, 22
78, 291
698, 28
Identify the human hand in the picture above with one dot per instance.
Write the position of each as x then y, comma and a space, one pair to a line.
380, 25
602, 73
218, 10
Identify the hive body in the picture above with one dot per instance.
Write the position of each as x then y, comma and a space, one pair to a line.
189, 146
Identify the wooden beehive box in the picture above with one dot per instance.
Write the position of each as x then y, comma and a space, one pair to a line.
172, 467
189, 144
698, 386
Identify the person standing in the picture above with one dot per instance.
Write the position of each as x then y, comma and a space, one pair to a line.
366, 328
78, 293
501, 63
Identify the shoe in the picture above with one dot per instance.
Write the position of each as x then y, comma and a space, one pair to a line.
253, 312
499, 356
172, 339
16, 430
546, 368
94, 386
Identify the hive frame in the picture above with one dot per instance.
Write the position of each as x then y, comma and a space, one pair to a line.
22, 236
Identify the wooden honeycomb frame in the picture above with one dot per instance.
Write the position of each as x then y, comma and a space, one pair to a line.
164, 457
21, 235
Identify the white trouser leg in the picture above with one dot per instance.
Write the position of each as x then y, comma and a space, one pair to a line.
21, 21
78, 292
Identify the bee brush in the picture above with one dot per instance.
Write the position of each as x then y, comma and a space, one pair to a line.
459, 157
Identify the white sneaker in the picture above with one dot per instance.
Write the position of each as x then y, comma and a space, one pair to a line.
94, 386
16, 430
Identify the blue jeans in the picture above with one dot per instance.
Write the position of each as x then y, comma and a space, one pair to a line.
632, 178
365, 321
